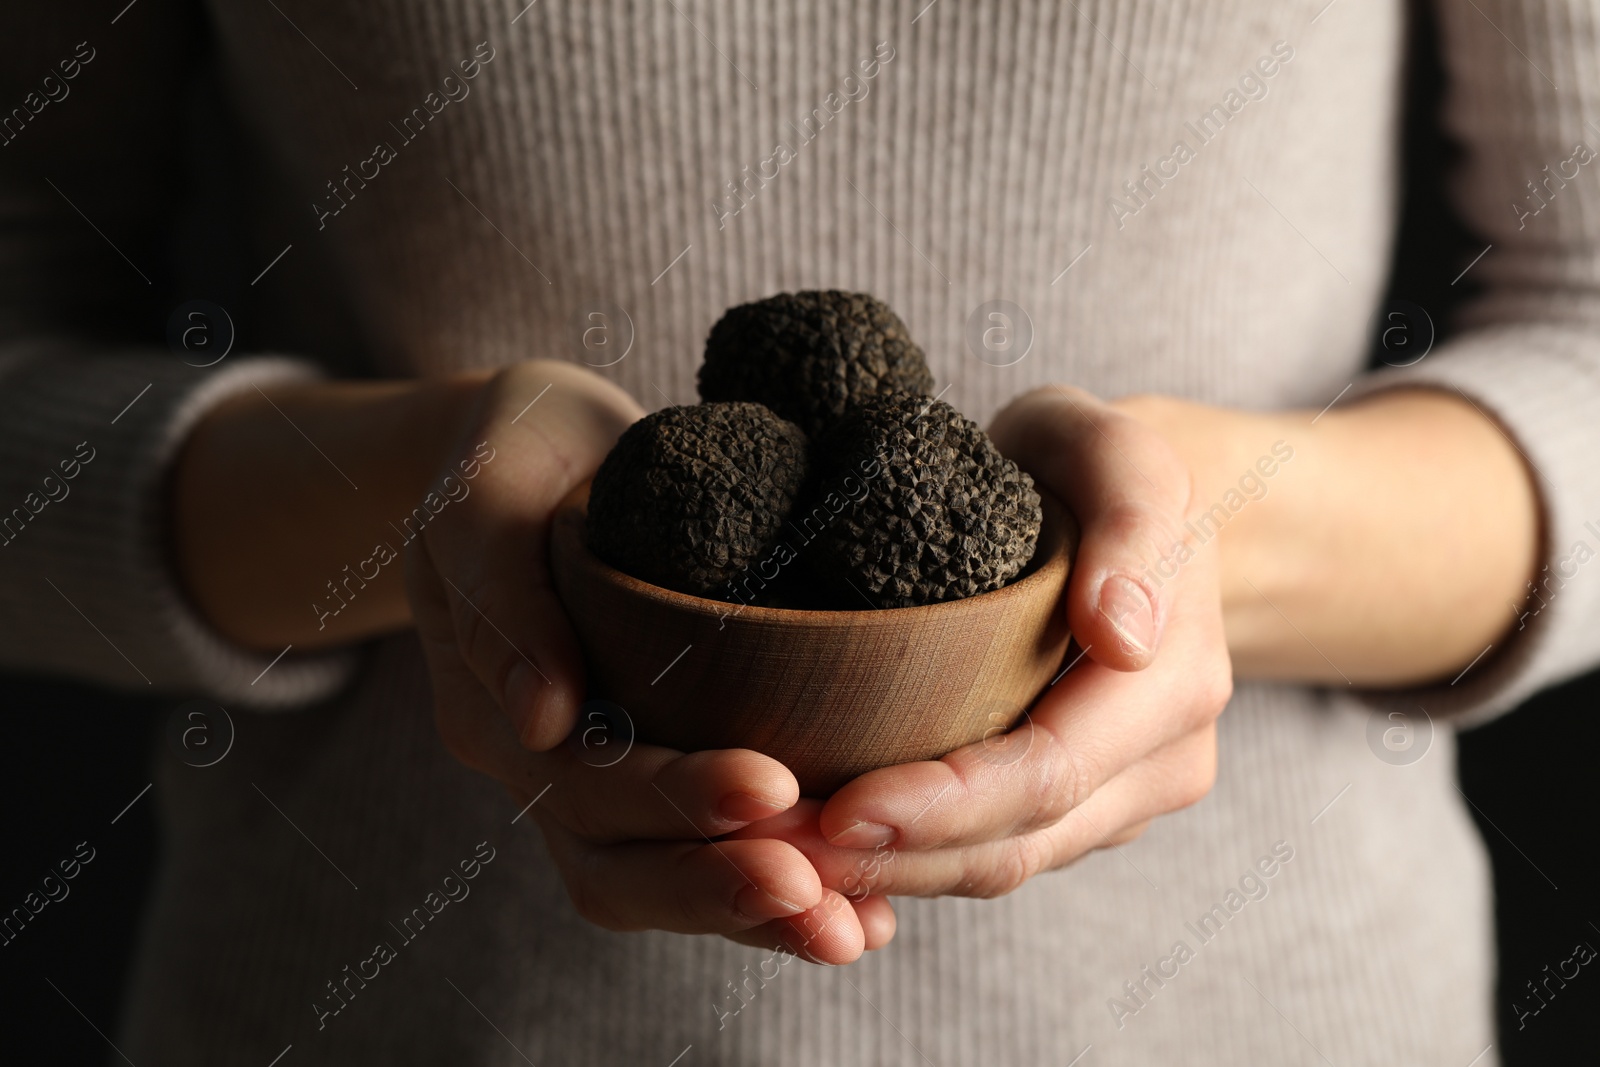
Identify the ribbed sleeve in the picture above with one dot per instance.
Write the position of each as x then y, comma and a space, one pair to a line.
86, 441
1524, 79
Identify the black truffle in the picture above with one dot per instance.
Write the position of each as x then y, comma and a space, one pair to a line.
690, 496
937, 514
810, 355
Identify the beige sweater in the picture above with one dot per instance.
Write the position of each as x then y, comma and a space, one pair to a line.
1186, 197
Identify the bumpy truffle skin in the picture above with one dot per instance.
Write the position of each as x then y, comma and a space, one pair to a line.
690, 496
939, 515
810, 355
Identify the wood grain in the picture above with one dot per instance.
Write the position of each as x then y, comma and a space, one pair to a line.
831, 694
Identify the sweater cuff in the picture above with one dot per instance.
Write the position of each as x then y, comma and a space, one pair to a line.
89, 591
1541, 385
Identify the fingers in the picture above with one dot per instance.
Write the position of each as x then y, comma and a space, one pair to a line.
1082, 733
660, 793
496, 617
470, 722
874, 915
1171, 778
877, 919
684, 887
858, 874
830, 933
650, 792
1128, 491
1122, 837
510, 625
845, 922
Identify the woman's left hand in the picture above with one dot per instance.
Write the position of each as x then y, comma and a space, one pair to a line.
1127, 734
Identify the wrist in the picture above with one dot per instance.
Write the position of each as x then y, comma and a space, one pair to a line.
1349, 563
279, 496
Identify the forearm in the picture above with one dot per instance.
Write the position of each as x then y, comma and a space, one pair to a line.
1388, 549
280, 501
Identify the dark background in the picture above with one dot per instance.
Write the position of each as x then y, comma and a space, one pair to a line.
74, 758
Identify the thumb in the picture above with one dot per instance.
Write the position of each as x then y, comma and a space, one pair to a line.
509, 627
1128, 490
513, 633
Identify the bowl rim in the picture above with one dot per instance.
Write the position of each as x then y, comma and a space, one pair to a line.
573, 510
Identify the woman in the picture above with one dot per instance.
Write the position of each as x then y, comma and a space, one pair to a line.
1185, 206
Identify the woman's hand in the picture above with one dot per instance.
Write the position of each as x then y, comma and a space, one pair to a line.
278, 500
1127, 734
633, 839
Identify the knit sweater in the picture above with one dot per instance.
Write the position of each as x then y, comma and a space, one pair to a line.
1193, 198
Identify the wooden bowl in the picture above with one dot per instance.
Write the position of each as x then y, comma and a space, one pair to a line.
830, 694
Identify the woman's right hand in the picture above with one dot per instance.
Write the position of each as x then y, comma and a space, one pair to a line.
632, 840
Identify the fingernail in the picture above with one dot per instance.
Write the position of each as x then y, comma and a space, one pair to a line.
742, 807
1129, 611
864, 835
756, 903
522, 696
